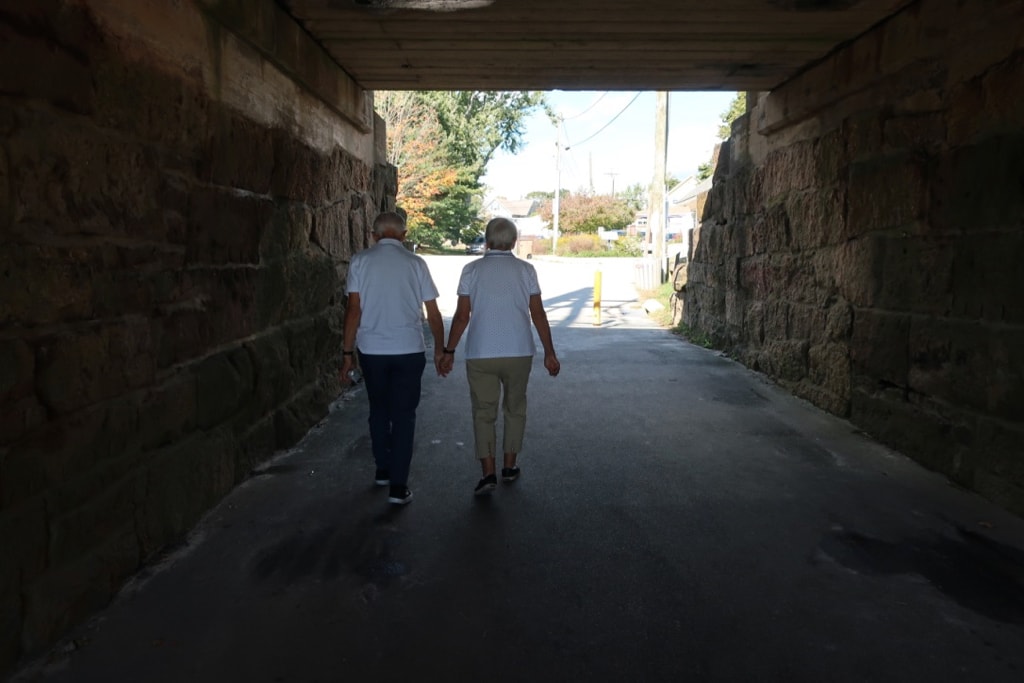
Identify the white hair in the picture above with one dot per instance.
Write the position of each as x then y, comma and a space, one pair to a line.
501, 234
389, 221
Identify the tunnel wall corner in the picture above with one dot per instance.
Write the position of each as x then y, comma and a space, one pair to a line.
862, 243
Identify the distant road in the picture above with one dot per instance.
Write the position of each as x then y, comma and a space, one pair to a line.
567, 286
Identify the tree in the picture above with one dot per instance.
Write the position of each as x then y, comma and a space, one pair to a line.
479, 123
584, 213
737, 108
635, 196
441, 143
541, 195
425, 173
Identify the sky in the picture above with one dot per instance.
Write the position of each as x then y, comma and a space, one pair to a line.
608, 133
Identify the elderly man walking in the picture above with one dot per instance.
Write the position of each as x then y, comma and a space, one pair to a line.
388, 287
502, 296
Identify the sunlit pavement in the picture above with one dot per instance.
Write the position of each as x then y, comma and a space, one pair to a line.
678, 518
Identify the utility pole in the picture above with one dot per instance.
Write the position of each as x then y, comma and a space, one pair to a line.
558, 184
613, 183
657, 218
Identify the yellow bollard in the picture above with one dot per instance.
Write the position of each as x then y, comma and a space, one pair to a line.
597, 298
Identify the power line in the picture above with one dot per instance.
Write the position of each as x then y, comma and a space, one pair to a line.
570, 118
601, 129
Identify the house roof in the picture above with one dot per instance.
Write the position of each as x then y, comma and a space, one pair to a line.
692, 191
513, 208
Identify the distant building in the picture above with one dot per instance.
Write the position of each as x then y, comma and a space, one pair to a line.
686, 208
523, 212
684, 204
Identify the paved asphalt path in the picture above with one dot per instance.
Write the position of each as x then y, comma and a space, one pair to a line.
679, 518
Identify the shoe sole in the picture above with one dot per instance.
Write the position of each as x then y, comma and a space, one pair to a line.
381, 482
400, 501
485, 490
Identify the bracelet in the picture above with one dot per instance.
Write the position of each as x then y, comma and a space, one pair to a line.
348, 353
450, 352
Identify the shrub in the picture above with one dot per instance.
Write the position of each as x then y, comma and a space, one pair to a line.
542, 246
580, 244
628, 246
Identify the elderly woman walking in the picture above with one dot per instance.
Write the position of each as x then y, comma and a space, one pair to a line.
501, 295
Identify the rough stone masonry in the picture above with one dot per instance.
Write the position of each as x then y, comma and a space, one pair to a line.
863, 240
181, 187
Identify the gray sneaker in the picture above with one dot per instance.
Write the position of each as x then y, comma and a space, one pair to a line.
400, 495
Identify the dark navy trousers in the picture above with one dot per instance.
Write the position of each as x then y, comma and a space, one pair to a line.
393, 387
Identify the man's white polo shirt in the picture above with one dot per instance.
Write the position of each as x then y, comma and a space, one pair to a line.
499, 287
392, 284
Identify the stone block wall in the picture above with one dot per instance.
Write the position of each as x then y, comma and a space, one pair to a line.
864, 239
180, 192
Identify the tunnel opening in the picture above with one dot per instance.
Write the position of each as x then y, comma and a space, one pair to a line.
183, 183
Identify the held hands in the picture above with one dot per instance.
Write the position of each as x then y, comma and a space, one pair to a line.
443, 362
447, 362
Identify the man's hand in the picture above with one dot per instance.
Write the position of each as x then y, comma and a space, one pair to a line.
552, 364
447, 363
346, 365
441, 362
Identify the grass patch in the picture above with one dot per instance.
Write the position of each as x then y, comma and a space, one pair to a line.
664, 295
440, 251
693, 336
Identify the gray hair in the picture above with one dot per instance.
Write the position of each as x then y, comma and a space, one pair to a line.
501, 234
389, 221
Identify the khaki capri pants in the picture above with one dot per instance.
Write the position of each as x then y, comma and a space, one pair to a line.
487, 377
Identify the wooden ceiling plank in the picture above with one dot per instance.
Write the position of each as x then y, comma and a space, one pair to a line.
553, 42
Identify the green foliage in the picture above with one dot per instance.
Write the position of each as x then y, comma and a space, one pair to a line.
584, 214
460, 206
479, 123
635, 196
694, 336
542, 196
580, 244
441, 143
663, 295
737, 108
628, 246
589, 245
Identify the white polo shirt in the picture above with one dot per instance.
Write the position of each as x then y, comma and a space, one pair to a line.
499, 287
392, 284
